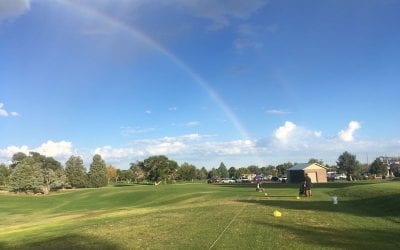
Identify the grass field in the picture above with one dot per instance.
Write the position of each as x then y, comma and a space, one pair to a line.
204, 216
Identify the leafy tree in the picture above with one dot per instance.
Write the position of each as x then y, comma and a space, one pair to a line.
137, 169
378, 167
313, 160
254, 169
269, 170
232, 172
27, 176
213, 174
111, 173
187, 172
16, 158
51, 172
125, 175
201, 174
98, 172
4, 175
160, 168
348, 164
242, 171
222, 170
76, 172
281, 169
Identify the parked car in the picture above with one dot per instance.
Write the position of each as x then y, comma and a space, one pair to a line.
227, 180
243, 179
274, 178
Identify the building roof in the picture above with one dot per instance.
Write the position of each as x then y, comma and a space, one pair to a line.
302, 166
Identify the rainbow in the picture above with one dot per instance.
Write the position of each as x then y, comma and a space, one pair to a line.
136, 33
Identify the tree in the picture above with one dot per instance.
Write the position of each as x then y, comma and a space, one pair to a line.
4, 175
187, 172
378, 167
111, 173
241, 171
222, 171
281, 169
27, 176
232, 172
137, 170
213, 174
201, 174
269, 170
16, 158
76, 172
254, 169
348, 164
159, 167
98, 172
313, 160
125, 175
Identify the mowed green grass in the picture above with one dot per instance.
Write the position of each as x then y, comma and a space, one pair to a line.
204, 216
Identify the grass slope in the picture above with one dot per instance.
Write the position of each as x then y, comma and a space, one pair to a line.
200, 216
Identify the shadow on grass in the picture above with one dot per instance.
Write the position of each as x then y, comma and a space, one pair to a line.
382, 206
342, 238
72, 241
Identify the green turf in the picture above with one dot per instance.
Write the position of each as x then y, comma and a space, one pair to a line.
200, 216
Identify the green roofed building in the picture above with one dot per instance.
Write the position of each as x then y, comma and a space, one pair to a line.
316, 172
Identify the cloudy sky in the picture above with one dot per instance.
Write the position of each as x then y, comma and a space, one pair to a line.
201, 81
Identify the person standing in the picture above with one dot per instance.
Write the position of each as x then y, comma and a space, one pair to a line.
307, 183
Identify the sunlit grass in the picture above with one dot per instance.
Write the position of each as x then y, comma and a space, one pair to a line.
201, 215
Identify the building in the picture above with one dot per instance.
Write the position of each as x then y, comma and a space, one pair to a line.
316, 172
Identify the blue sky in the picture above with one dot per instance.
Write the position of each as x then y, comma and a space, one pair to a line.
242, 82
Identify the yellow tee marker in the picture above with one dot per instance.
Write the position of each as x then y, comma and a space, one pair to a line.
277, 213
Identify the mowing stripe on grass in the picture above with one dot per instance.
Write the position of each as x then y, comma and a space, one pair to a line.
220, 235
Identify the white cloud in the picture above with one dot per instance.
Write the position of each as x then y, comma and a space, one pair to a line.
148, 112
277, 112
192, 124
347, 134
127, 131
282, 134
55, 149
173, 108
59, 150
5, 113
13, 8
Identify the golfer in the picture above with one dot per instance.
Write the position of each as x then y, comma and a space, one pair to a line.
307, 183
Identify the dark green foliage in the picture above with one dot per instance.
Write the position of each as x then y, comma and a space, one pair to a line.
16, 158
281, 169
348, 164
222, 171
160, 168
254, 169
378, 167
187, 172
76, 172
27, 176
201, 174
232, 172
125, 175
4, 175
98, 172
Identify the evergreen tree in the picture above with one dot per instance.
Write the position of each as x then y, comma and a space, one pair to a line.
27, 176
222, 171
76, 172
98, 172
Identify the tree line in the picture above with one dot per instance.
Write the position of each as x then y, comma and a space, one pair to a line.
40, 174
